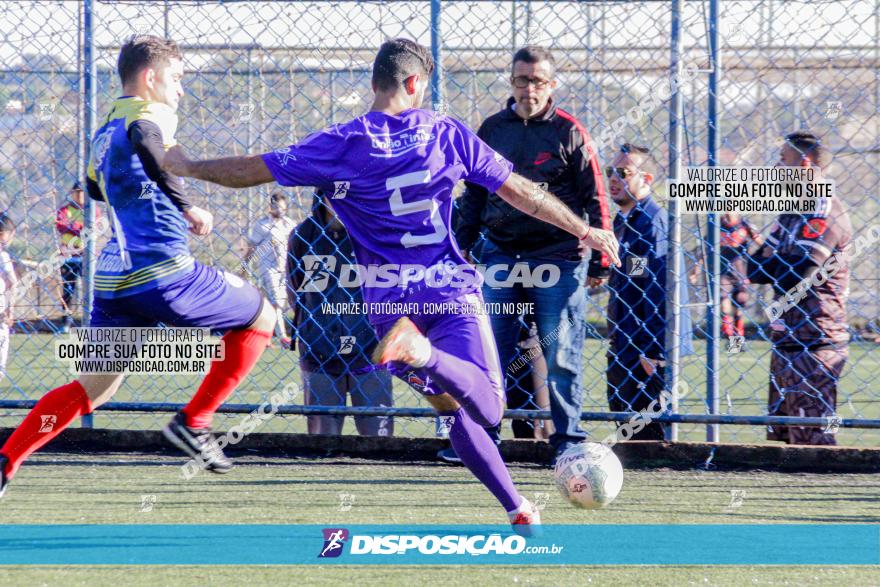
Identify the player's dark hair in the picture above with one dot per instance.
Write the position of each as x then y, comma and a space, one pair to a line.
648, 163
142, 51
6, 223
399, 59
810, 145
534, 54
278, 197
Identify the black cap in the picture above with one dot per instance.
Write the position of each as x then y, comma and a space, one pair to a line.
77, 185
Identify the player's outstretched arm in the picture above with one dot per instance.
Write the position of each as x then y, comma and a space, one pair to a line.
528, 197
243, 171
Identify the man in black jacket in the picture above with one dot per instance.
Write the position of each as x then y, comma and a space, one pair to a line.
548, 146
334, 342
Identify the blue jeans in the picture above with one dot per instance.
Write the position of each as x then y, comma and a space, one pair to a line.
560, 315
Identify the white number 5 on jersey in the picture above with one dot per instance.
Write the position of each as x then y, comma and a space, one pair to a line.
399, 208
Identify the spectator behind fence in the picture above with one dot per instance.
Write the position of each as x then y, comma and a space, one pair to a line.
334, 346
526, 383
637, 301
547, 145
737, 234
526, 377
69, 222
810, 338
8, 281
267, 243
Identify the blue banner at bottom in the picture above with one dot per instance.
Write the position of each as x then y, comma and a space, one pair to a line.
789, 544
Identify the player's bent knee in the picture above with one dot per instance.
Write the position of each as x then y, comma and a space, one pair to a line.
266, 320
443, 402
100, 387
486, 414
492, 418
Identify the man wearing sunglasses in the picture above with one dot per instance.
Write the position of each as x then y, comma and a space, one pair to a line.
547, 145
637, 304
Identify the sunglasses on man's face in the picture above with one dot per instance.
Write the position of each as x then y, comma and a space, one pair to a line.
621, 172
523, 81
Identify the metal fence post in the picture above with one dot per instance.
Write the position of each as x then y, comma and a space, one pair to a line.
713, 258
673, 256
165, 10
249, 134
437, 54
90, 104
437, 97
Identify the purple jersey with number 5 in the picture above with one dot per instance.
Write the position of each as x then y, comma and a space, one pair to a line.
390, 180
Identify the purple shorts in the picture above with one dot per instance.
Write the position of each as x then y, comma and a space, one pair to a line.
203, 298
467, 336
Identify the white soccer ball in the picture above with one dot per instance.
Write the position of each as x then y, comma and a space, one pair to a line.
589, 475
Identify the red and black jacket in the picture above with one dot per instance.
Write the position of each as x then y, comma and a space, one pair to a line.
554, 149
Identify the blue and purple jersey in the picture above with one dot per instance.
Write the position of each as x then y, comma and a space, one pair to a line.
390, 180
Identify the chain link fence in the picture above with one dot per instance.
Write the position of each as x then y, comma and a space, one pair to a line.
261, 75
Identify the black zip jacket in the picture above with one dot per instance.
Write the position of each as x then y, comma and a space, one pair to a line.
329, 343
554, 149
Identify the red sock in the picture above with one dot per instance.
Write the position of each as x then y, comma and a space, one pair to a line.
52, 414
242, 349
727, 328
740, 326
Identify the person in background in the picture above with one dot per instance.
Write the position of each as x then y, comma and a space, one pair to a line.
69, 222
811, 337
526, 383
525, 379
737, 235
8, 281
548, 145
267, 243
637, 301
334, 348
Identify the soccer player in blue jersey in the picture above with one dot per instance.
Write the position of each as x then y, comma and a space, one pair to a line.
391, 173
145, 274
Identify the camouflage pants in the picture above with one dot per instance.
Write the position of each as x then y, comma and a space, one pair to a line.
804, 384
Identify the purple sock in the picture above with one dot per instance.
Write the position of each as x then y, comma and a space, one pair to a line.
479, 454
469, 384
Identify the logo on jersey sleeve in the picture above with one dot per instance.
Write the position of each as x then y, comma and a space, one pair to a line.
284, 155
100, 146
232, 279
814, 228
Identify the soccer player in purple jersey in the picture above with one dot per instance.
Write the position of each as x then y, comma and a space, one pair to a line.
390, 174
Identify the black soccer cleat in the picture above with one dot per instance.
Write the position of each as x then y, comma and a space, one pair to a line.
4, 482
199, 443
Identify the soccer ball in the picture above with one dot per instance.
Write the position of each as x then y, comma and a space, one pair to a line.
589, 475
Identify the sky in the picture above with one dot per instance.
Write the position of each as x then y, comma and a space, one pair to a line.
50, 27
